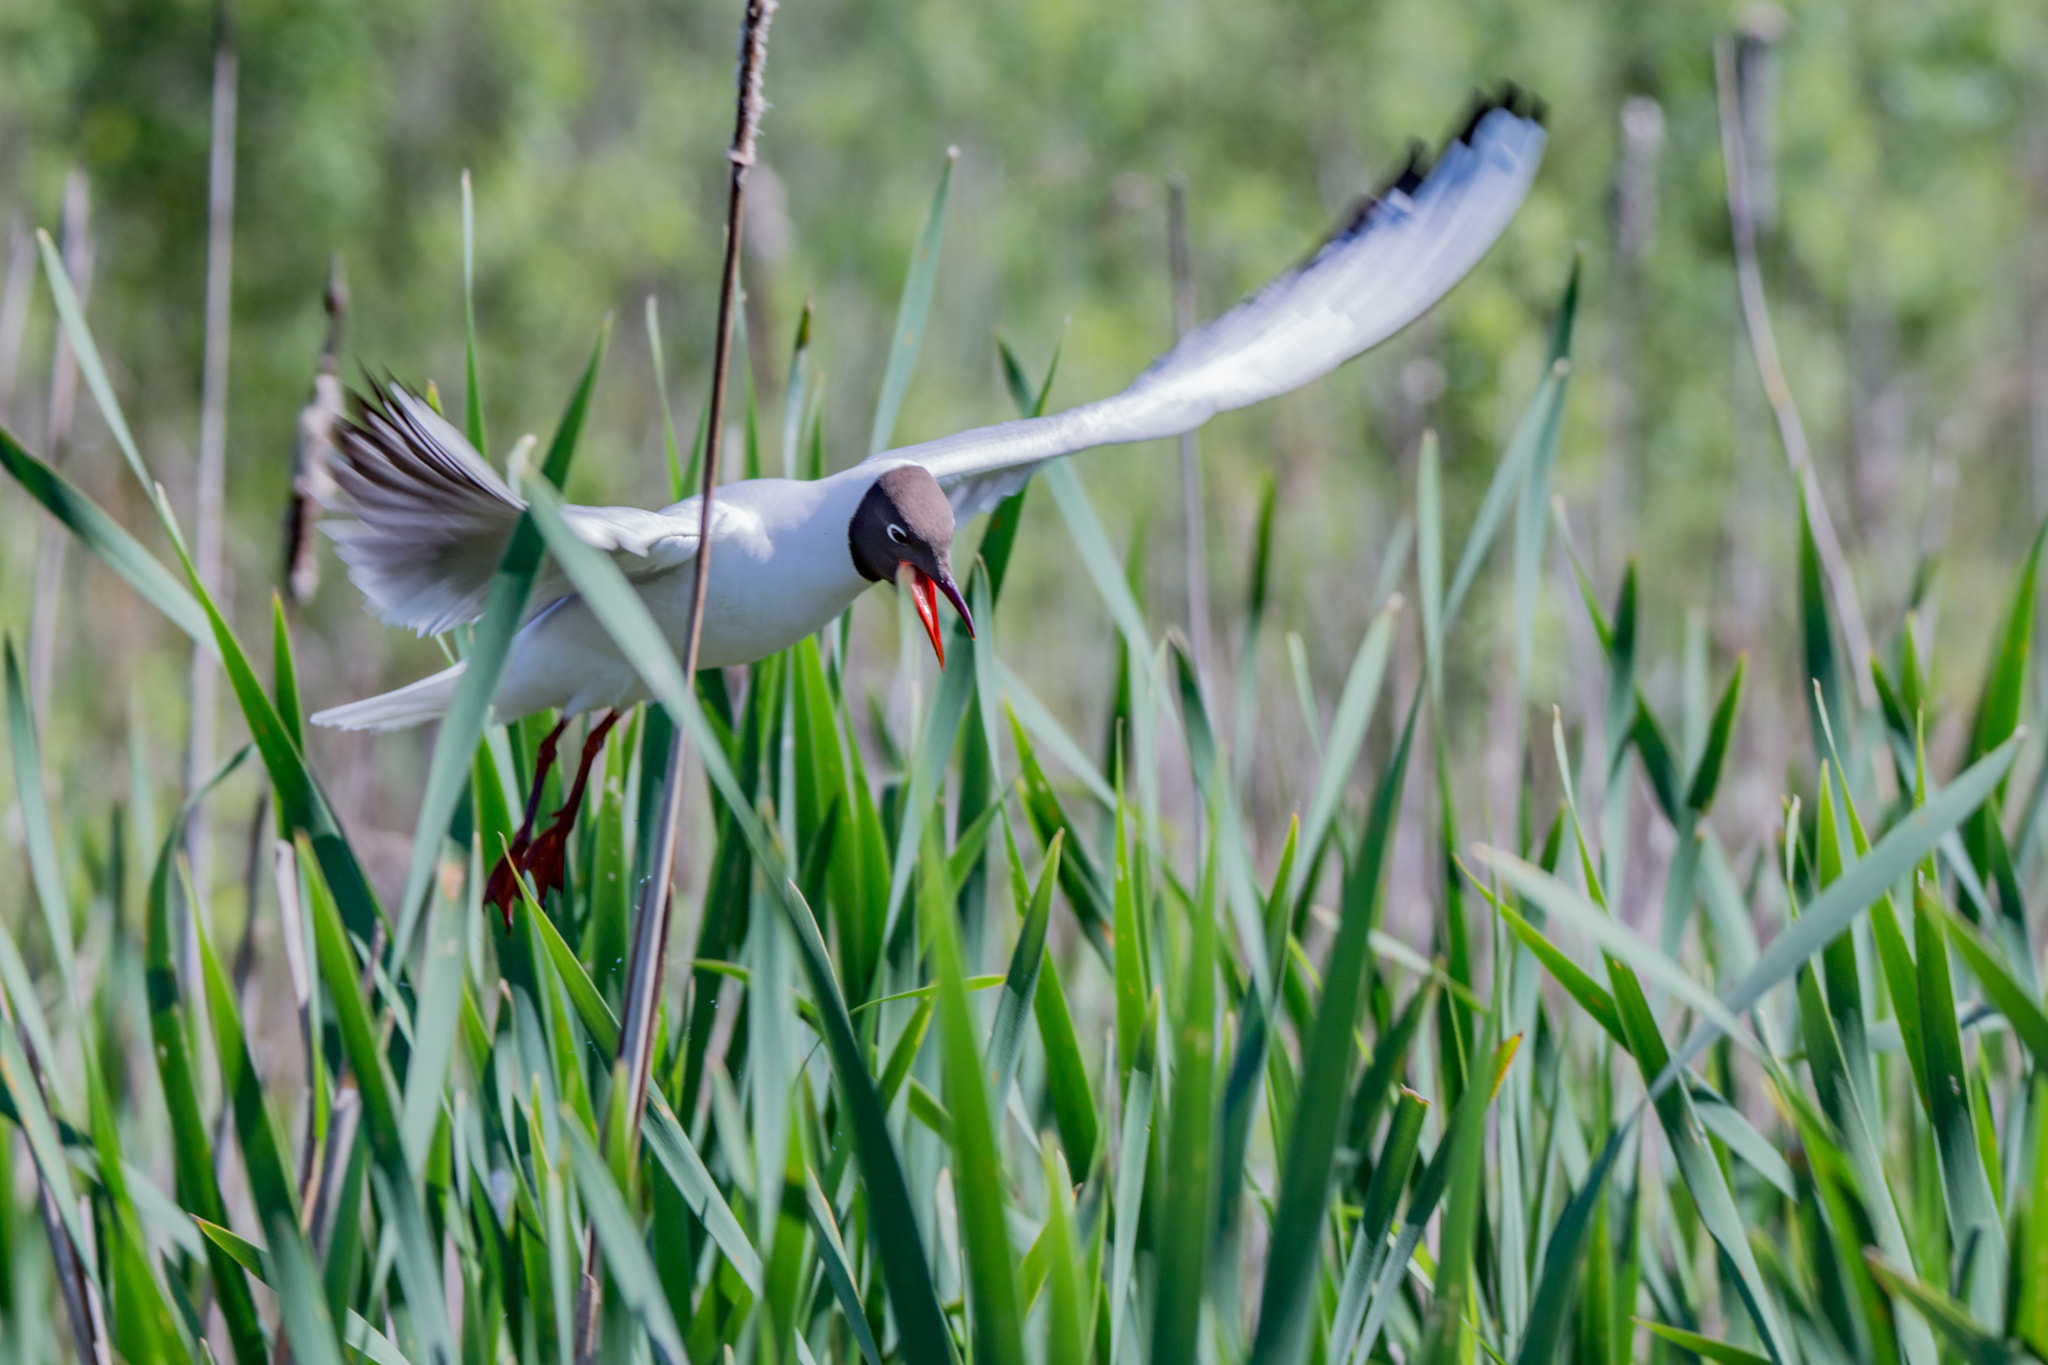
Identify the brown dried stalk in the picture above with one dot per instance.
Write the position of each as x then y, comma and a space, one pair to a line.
647, 960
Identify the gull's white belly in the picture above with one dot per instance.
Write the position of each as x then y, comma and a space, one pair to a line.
770, 586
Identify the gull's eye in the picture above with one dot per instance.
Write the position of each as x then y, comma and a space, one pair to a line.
896, 534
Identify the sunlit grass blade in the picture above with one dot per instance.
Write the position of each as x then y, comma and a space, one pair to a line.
911, 313
1340, 751
1020, 984
1326, 1085
978, 1175
105, 537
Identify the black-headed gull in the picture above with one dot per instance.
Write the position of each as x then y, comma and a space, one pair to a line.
425, 520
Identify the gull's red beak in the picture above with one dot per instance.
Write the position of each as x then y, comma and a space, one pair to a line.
924, 595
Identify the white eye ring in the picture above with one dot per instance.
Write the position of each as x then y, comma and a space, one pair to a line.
896, 534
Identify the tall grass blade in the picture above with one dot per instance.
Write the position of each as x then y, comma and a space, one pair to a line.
911, 313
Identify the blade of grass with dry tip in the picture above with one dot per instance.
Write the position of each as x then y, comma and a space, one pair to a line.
1327, 1061
911, 313
978, 1180
625, 1253
105, 537
504, 608
1020, 983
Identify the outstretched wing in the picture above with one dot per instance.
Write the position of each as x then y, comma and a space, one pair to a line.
1398, 255
424, 521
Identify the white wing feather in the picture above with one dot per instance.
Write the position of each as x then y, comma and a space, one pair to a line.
1398, 256
425, 521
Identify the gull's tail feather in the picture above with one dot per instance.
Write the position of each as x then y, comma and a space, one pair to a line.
414, 704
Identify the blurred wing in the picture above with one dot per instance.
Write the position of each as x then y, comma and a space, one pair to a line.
1398, 255
424, 521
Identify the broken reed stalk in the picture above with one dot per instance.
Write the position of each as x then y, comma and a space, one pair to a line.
213, 414
1764, 346
646, 959
313, 449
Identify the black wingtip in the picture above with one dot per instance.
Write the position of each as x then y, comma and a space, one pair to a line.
1509, 96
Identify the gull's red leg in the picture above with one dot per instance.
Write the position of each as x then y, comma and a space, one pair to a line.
503, 887
545, 859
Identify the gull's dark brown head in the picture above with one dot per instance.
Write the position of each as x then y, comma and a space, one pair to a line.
902, 532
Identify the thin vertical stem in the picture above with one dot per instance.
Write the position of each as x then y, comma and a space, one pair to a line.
647, 957
49, 585
1181, 263
21, 264
1763, 345
213, 412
